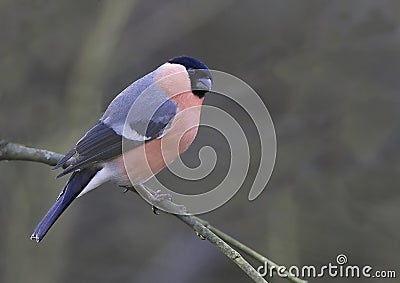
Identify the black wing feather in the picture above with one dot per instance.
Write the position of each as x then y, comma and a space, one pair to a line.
99, 144
102, 143
65, 158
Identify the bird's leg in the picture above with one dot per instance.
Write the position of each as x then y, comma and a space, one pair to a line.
153, 197
155, 210
159, 196
133, 189
159, 200
128, 188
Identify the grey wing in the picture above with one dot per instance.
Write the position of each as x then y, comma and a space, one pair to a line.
148, 117
141, 111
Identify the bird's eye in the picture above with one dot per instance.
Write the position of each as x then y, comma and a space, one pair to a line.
191, 72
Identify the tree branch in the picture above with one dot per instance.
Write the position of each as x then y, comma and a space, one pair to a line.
233, 255
13, 151
249, 251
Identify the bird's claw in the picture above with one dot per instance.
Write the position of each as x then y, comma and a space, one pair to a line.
156, 200
155, 210
158, 196
127, 189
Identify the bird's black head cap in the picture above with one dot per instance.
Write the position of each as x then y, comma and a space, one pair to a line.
188, 62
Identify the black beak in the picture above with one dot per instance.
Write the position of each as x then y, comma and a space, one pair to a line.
202, 84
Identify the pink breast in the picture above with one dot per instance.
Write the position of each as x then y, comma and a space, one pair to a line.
149, 159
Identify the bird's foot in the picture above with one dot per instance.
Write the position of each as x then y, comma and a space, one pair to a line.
155, 210
160, 201
158, 196
127, 189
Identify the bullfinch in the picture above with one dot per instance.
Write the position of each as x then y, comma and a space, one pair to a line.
146, 127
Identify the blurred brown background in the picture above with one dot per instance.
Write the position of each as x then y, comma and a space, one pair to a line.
328, 72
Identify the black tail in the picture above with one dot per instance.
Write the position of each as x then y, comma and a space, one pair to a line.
77, 182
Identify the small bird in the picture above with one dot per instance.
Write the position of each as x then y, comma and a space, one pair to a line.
145, 128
